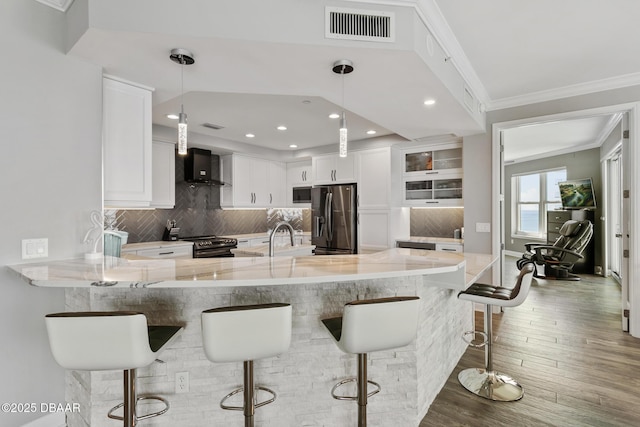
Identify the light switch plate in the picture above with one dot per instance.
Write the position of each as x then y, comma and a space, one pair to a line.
483, 227
35, 248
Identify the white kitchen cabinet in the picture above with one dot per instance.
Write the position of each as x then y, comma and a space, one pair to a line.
255, 183
445, 190
449, 247
298, 175
163, 172
333, 169
432, 160
127, 147
174, 252
431, 175
374, 178
379, 229
277, 184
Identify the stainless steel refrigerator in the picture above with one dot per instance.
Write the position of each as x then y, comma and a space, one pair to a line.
333, 219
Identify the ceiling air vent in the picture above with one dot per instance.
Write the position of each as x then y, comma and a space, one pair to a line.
212, 126
353, 24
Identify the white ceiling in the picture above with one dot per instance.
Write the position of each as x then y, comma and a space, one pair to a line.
512, 52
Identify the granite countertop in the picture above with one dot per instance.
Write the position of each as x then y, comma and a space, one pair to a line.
265, 235
134, 271
422, 239
160, 244
279, 250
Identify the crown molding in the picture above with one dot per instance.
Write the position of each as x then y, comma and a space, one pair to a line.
61, 5
566, 92
431, 16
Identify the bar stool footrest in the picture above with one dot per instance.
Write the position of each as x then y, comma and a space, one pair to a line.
351, 380
467, 337
491, 385
240, 390
142, 417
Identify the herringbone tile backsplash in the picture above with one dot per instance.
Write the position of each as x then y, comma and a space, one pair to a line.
438, 222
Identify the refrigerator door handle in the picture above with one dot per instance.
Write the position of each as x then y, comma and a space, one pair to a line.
329, 208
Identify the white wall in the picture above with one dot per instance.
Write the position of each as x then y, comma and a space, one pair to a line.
476, 160
50, 166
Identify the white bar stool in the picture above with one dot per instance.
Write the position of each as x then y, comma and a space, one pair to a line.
246, 333
117, 340
486, 382
372, 325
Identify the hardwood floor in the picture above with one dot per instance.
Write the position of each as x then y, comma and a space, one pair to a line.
565, 345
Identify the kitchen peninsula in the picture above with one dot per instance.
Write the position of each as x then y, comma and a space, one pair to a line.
177, 291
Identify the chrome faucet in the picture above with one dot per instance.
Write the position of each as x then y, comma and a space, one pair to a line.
272, 238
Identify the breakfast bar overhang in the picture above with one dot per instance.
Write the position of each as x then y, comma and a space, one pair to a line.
177, 291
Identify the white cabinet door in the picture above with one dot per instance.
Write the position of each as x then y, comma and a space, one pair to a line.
374, 178
126, 134
259, 173
277, 184
163, 172
373, 232
255, 183
333, 169
299, 173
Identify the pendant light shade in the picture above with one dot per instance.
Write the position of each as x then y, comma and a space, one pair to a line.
343, 135
182, 57
343, 66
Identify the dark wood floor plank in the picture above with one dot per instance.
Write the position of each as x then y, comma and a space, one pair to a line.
565, 345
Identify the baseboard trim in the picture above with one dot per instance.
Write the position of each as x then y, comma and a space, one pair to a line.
513, 253
56, 419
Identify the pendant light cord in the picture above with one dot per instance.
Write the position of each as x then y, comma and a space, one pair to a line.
182, 83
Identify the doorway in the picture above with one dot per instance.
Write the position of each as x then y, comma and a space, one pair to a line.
626, 271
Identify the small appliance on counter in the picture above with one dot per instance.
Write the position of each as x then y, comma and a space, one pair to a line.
171, 231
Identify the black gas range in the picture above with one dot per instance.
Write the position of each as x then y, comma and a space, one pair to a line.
211, 246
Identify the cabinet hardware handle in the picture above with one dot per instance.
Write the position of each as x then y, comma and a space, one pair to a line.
434, 201
165, 253
431, 173
618, 235
270, 198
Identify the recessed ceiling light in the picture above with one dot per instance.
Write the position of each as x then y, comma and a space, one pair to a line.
334, 116
281, 127
172, 116
429, 102
371, 132
250, 135
293, 146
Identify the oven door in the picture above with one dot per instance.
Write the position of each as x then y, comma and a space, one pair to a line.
213, 253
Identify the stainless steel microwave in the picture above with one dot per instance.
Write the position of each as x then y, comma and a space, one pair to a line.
301, 194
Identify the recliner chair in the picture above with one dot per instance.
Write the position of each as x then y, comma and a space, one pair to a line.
558, 259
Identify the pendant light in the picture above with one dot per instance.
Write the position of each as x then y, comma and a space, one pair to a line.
182, 57
343, 66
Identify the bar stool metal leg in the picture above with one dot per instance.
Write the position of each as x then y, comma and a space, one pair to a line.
249, 398
362, 390
486, 382
129, 398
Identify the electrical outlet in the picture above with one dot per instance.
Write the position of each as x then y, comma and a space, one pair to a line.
35, 248
182, 382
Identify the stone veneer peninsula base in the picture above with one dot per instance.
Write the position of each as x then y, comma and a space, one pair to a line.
410, 377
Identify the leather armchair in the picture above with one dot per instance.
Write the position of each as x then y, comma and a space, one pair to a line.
558, 259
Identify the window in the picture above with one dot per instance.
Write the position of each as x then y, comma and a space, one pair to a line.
533, 195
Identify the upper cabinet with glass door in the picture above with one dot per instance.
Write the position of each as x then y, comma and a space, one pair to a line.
432, 160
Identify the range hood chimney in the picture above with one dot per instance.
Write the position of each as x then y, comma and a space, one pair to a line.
197, 167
